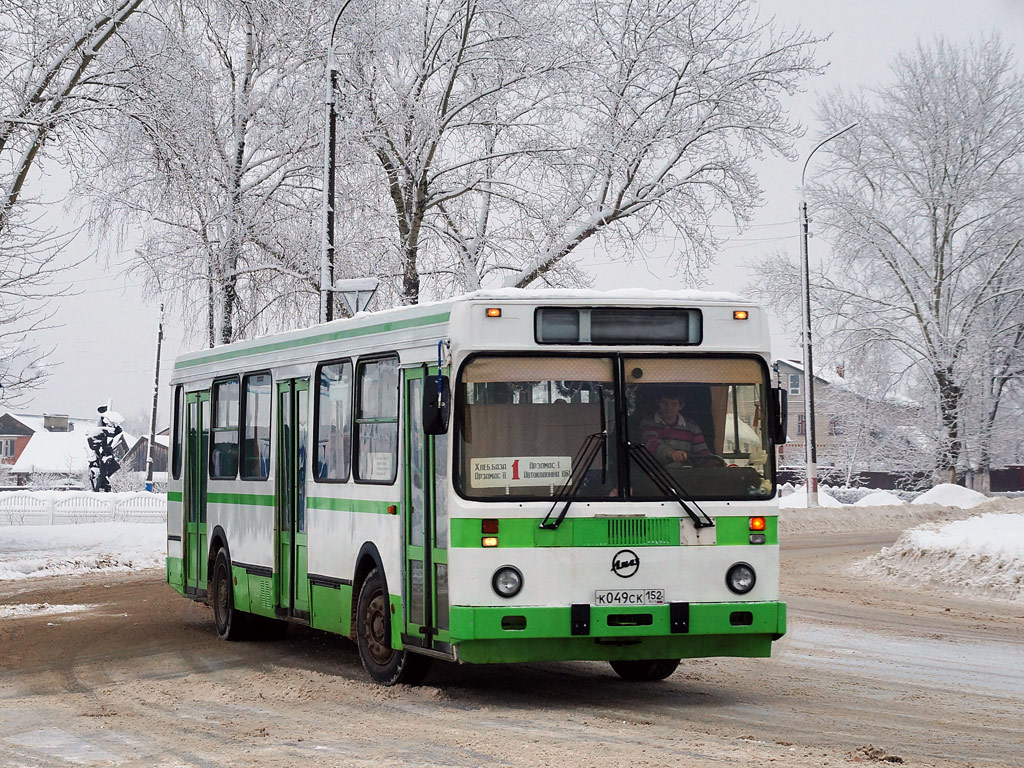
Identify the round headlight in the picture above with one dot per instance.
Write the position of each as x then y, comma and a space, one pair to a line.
507, 581
741, 578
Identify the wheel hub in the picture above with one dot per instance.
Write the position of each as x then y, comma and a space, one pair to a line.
376, 625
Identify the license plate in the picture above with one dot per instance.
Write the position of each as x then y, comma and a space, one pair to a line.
629, 597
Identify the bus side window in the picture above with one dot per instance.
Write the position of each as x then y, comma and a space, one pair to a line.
334, 422
256, 418
377, 421
224, 444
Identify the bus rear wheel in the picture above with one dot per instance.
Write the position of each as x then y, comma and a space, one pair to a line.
231, 624
645, 670
386, 665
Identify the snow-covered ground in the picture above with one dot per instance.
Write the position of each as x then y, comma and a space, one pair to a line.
28, 551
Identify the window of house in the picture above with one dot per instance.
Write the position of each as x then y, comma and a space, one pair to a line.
377, 421
224, 443
334, 422
256, 435
176, 428
835, 426
6, 447
794, 383
801, 425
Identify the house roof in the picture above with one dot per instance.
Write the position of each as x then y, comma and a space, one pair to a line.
56, 452
798, 366
34, 421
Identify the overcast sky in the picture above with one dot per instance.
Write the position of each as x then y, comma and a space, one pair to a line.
105, 344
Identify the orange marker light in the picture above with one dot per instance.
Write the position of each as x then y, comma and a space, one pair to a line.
489, 526
740, 314
392, 509
489, 541
757, 523
494, 312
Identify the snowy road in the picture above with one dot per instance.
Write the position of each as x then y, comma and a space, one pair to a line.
137, 677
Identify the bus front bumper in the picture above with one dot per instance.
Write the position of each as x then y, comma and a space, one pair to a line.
499, 634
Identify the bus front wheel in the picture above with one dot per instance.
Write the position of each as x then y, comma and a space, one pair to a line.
386, 665
645, 670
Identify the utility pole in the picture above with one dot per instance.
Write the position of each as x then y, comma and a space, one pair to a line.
156, 397
330, 169
811, 450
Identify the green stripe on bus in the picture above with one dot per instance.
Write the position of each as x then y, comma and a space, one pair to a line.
351, 333
174, 495
352, 505
601, 532
245, 499
736, 530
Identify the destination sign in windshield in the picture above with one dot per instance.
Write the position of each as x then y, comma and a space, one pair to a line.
519, 471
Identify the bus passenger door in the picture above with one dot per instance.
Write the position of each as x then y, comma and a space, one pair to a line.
426, 523
290, 489
197, 447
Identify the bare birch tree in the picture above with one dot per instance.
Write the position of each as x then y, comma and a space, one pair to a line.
924, 205
509, 133
53, 80
216, 156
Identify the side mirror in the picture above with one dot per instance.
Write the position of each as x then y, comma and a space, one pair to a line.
780, 401
436, 409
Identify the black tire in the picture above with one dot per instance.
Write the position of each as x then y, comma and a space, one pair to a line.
646, 670
231, 624
386, 665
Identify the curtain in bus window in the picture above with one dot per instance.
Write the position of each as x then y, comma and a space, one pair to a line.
302, 406
334, 428
224, 451
524, 421
377, 421
256, 436
176, 438
701, 419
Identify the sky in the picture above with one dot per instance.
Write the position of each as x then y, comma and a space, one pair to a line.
105, 340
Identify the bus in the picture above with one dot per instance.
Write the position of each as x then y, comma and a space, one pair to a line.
506, 476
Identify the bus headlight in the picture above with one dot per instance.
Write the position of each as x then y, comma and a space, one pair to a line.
741, 578
507, 581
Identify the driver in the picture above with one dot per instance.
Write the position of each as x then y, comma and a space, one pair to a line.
669, 435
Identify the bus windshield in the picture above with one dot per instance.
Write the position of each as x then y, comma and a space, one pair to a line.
521, 422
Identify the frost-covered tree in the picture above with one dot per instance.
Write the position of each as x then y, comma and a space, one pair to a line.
923, 203
507, 133
55, 77
216, 156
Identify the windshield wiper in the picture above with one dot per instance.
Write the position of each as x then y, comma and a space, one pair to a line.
667, 484
591, 446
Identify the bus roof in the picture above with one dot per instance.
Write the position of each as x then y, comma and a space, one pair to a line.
435, 313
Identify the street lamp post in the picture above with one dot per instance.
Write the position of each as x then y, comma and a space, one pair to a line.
330, 142
811, 450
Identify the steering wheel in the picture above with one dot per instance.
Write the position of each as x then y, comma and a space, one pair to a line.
706, 461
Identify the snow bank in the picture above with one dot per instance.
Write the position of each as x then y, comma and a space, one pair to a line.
879, 499
983, 555
897, 517
798, 499
28, 551
949, 495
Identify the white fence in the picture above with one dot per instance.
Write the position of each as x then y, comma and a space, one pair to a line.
49, 507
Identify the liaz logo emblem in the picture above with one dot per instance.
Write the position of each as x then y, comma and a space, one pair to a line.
625, 563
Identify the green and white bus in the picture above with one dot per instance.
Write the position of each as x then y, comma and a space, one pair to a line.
506, 476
